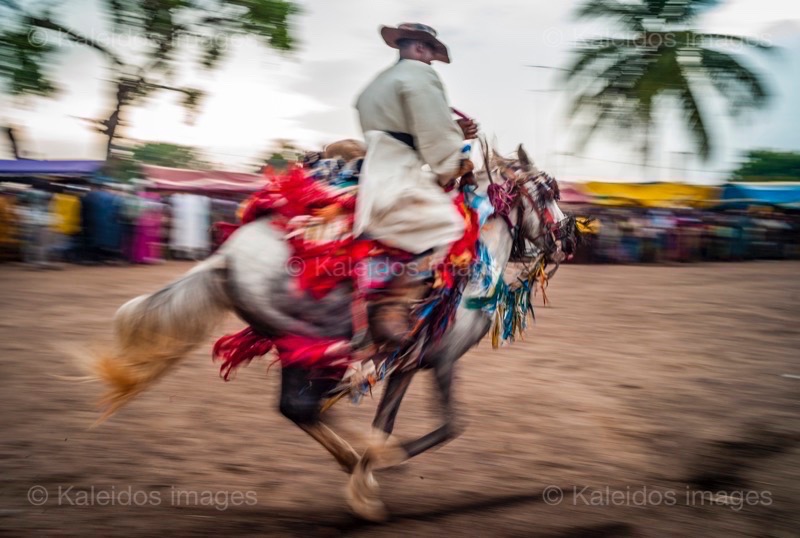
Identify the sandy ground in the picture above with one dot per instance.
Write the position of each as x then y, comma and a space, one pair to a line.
660, 401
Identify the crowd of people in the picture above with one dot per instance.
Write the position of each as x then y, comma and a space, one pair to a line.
110, 223
114, 223
631, 235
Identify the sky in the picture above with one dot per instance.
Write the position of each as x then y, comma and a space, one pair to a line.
258, 95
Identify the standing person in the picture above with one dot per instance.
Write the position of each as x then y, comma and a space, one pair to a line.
148, 231
36, 221
407, 124
66, 226
90, 254
191, 221
108, 226
9, 220
130, 207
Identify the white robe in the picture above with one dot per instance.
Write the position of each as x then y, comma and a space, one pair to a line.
191, 219
400, 199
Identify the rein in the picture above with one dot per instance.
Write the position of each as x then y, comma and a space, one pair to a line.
505, 193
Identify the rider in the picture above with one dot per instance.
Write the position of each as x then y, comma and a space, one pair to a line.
407, 124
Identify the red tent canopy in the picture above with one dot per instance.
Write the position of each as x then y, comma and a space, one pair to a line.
570, 194
201, 181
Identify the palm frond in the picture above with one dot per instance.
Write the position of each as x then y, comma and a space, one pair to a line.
587, 57
602, 117
694, 119
717, 39
735, 81
629, 74
627, 15
610, 85
677, 11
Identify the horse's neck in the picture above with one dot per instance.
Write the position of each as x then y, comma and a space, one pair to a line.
498, 239
472, 324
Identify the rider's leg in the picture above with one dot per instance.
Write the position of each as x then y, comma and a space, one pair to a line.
389, 309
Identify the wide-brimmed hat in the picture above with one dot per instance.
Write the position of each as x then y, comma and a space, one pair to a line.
415, 30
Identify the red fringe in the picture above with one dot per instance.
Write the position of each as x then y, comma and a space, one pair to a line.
244, 346
325, 266
313, 352
238, 348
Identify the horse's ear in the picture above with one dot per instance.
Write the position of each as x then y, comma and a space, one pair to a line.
523, 157
496, 157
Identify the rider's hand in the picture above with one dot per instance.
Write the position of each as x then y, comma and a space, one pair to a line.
468, 179
469, 128
466, 167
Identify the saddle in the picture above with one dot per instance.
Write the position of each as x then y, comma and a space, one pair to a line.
313, 206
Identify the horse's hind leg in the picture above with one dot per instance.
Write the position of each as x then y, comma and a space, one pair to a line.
301, 399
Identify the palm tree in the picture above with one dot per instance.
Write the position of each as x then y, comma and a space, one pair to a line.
657, 59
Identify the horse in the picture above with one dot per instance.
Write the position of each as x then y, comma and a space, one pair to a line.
249, 276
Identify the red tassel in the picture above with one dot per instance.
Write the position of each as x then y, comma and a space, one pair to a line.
242, 347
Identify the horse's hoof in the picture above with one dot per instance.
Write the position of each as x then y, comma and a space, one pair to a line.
362, 497
371, 486
363, 483
370, 509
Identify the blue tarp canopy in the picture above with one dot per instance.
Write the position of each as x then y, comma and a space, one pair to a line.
26, 167
741, 195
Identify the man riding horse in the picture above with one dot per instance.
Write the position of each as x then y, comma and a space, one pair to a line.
414, 150
407, 124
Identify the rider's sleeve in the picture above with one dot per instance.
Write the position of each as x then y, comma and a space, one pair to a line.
438, 137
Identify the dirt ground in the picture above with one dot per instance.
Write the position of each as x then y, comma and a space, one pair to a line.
646, 401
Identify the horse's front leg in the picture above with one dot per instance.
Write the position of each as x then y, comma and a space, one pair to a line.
362, 492
451, 428
391, 454
301, 399
385, 415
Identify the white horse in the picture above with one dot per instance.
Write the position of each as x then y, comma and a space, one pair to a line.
248, 275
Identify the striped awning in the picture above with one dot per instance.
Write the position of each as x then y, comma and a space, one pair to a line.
207, 181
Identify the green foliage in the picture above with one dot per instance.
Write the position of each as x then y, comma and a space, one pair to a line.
618, 82
213, 24
121, 169
23, 64
171, 29
766, 165
172, 155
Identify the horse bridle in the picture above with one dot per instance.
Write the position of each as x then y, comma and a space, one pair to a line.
551, 229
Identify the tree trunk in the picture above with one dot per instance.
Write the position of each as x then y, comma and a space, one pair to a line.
645, 150
12, 140
125, 88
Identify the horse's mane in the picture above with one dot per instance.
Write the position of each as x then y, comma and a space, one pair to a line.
493, 160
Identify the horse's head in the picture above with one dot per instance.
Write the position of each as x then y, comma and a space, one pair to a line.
534, 196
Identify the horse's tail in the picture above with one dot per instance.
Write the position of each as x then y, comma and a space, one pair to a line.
152, 333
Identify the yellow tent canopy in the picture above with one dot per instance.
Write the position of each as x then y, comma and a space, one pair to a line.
651, 194
590, 227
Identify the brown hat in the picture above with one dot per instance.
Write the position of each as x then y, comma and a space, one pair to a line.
415, 30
